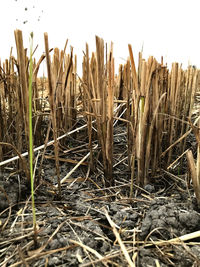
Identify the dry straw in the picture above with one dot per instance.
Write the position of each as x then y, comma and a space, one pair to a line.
154, 103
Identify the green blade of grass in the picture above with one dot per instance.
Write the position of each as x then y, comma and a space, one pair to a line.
31, 135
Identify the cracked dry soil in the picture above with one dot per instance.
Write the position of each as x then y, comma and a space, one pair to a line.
163, 210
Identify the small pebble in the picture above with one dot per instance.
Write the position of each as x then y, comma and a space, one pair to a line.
149, 188
53, 261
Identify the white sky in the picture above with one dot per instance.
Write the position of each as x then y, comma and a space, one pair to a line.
170, 28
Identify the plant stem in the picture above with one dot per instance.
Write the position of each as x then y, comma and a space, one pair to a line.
31, 138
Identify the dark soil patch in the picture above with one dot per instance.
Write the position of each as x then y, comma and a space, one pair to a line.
162, 210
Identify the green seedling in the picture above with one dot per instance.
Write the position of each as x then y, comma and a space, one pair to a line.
31, 138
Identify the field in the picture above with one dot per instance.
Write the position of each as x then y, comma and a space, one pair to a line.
116, 160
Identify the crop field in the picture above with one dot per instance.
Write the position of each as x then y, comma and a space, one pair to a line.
113, 174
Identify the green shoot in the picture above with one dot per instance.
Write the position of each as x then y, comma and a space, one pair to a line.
31, 135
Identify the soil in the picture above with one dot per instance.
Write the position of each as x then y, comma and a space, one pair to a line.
74, 230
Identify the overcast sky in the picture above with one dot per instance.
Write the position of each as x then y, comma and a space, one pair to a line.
170, 28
